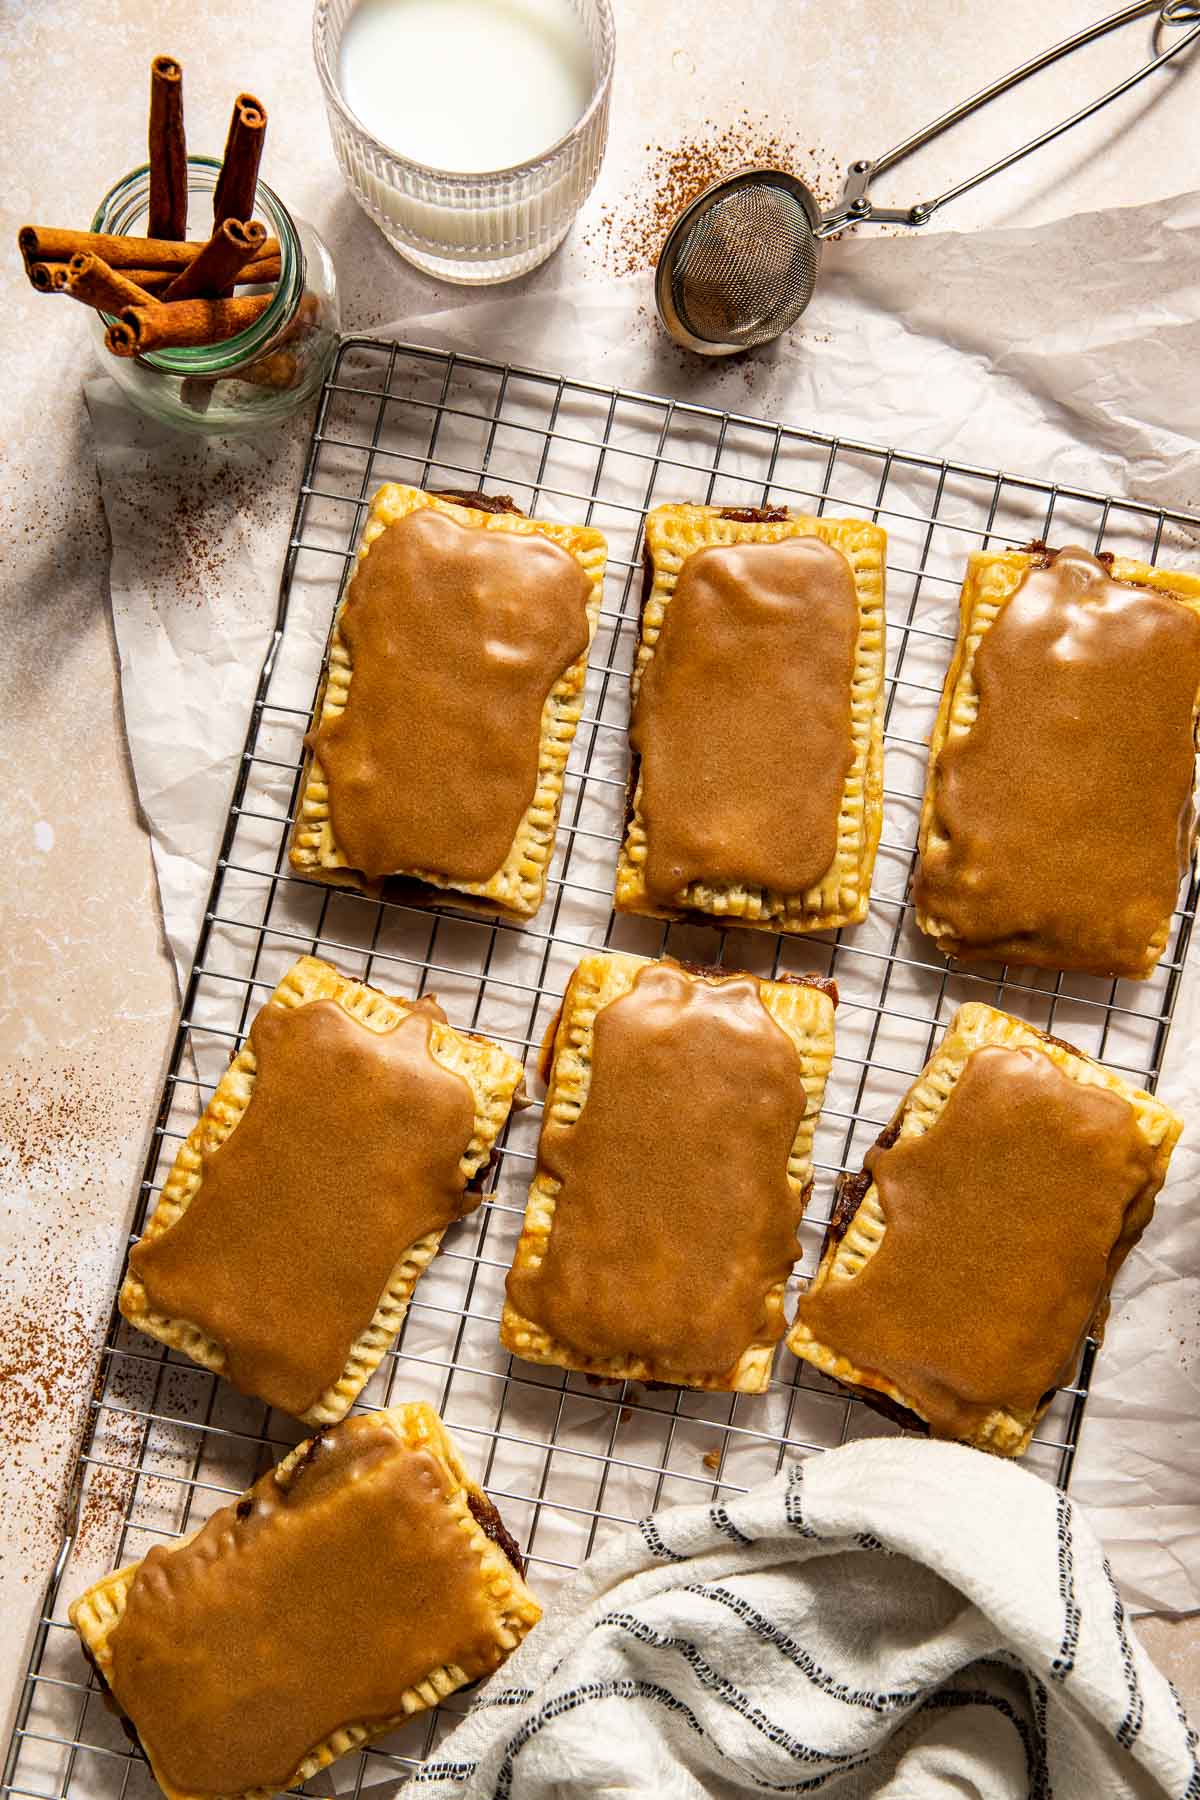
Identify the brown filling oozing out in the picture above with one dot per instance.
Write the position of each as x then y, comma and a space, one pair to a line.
111, 1702
635, 761
488, 1519
1042, 555
786, 978
756, 515
488, 503
849, 1193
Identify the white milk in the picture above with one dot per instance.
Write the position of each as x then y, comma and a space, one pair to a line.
466, 85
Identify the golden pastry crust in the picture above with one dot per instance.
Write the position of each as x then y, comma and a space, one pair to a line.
493, 1077
805, 1014
991, 580
518, 886
850, 1245
97, 1613
673, 533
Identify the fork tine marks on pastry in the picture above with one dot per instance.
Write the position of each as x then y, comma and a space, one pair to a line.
449, 703
357, 1584
964, 1267
756, 794
673, 1169
316, 1188
1058, 817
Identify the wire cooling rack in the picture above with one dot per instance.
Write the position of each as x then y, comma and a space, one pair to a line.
568, 1462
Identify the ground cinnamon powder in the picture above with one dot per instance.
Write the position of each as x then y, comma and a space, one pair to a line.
629, 235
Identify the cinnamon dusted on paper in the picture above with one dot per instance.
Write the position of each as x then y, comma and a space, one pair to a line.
237, 184
168, 151
211, 276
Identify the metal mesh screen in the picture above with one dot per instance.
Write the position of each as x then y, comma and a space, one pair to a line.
745, 266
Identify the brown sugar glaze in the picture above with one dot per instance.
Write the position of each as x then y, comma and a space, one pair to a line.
299, 1610
456, 635
1005, 1222
742, 719
1067, 807
674, 1217
349, 1151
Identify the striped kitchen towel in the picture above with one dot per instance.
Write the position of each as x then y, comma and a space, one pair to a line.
895, 1618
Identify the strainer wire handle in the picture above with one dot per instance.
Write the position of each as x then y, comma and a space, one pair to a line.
856, 206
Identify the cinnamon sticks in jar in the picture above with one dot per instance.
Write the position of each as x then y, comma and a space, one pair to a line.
168, 151
187, 324
237, 183
212, 273
90, 279
150, 262
163, 290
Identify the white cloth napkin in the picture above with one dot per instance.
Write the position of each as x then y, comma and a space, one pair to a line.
893, 1618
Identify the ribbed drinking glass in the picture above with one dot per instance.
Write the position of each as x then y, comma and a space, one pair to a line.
467, 227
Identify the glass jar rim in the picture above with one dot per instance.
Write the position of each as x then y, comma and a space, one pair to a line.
230, 353
465, 178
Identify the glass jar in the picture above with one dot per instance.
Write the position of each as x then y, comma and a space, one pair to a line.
261, 375
470, 228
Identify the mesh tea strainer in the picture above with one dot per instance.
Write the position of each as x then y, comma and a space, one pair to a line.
740, 263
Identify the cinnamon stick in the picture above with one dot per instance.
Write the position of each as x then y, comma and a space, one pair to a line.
47, 243
237, 184
262, 269
188, 324
51, 277
156, 281
91, 280
231, 246
119, 339
168, 151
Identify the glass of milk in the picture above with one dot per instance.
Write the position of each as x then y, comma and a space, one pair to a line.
471, 131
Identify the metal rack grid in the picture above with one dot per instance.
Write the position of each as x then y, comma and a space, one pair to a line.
568, 1462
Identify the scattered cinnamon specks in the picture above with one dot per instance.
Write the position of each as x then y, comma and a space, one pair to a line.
47, 1349
47, 1124
203, 510
629, 235
109, 1486
61, 1135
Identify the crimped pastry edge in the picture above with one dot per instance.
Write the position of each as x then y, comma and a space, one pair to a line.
98, 1611
517, 888
494, 1078
672, 534
854, 1235
992, 577
804, 1009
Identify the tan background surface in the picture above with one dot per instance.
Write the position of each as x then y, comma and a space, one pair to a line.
88, 1001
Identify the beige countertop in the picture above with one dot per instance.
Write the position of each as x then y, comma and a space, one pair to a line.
89, 1000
